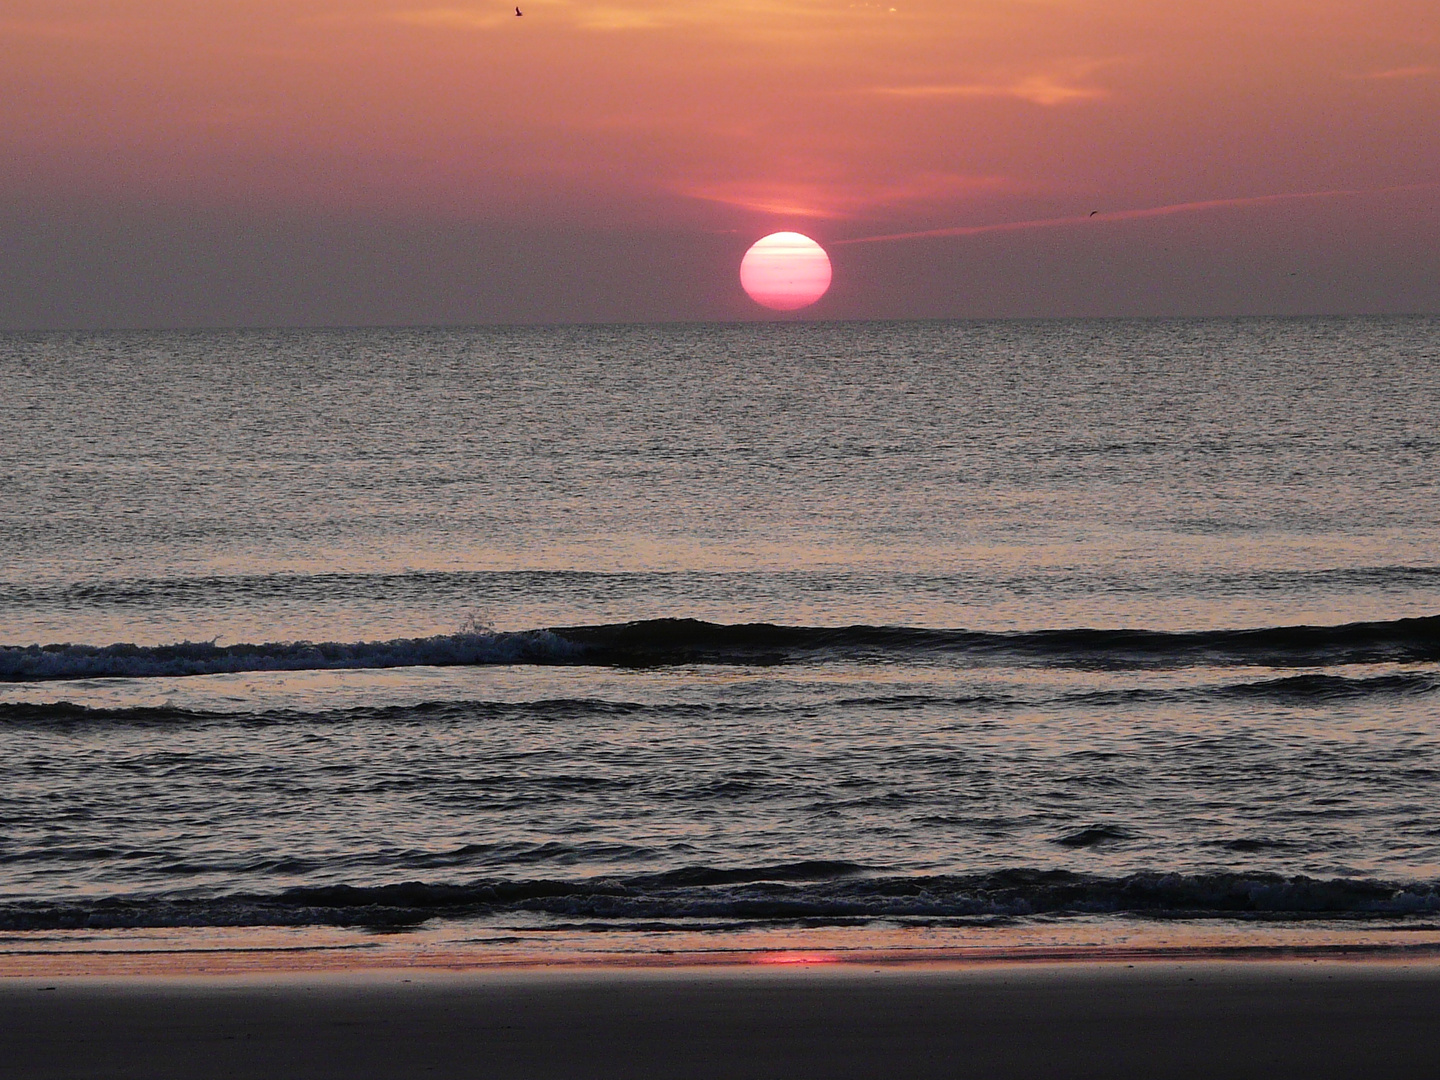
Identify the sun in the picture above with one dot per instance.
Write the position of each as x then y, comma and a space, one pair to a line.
785, 271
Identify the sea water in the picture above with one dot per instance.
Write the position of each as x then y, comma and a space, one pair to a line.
828, 633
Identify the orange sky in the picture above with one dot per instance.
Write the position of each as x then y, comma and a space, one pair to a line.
693, 128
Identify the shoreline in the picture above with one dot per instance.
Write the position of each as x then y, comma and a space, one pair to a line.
348, 959
489, 944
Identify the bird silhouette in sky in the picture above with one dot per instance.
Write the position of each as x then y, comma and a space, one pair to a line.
518, 13
1094, 212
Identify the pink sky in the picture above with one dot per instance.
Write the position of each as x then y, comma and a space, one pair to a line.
258, 161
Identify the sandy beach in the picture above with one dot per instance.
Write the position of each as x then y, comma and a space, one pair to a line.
1199, 1019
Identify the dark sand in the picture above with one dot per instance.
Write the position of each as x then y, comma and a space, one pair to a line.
1273, 1019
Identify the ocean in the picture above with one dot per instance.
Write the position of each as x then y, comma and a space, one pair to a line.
764, 640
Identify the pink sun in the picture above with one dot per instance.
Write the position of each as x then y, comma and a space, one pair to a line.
785, 271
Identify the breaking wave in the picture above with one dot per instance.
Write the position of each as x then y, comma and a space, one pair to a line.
38, 662
800, 891
659, 642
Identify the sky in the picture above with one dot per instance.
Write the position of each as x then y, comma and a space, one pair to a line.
357, 162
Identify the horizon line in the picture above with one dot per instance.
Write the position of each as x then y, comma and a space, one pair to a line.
221, 328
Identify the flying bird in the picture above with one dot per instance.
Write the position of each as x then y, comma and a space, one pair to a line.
518, 13
1094, 212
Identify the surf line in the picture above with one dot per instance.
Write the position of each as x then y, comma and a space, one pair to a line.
1134, 215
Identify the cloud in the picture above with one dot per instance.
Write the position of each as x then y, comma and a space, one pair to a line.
835, 200
622, 18
1418, 71
636, 15
57, 28
448, 18
1140, 213
1037, 89
584, 16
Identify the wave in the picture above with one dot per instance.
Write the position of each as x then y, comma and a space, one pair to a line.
808, 891
1297, 690
61, 713
418, 585
661, 642
1317, 687
41, 662
1311, 687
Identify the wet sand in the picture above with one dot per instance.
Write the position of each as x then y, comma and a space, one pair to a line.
1196, 1019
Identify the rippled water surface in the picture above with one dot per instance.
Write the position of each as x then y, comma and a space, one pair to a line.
638, 626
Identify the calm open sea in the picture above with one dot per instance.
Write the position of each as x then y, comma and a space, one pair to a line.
847, 633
